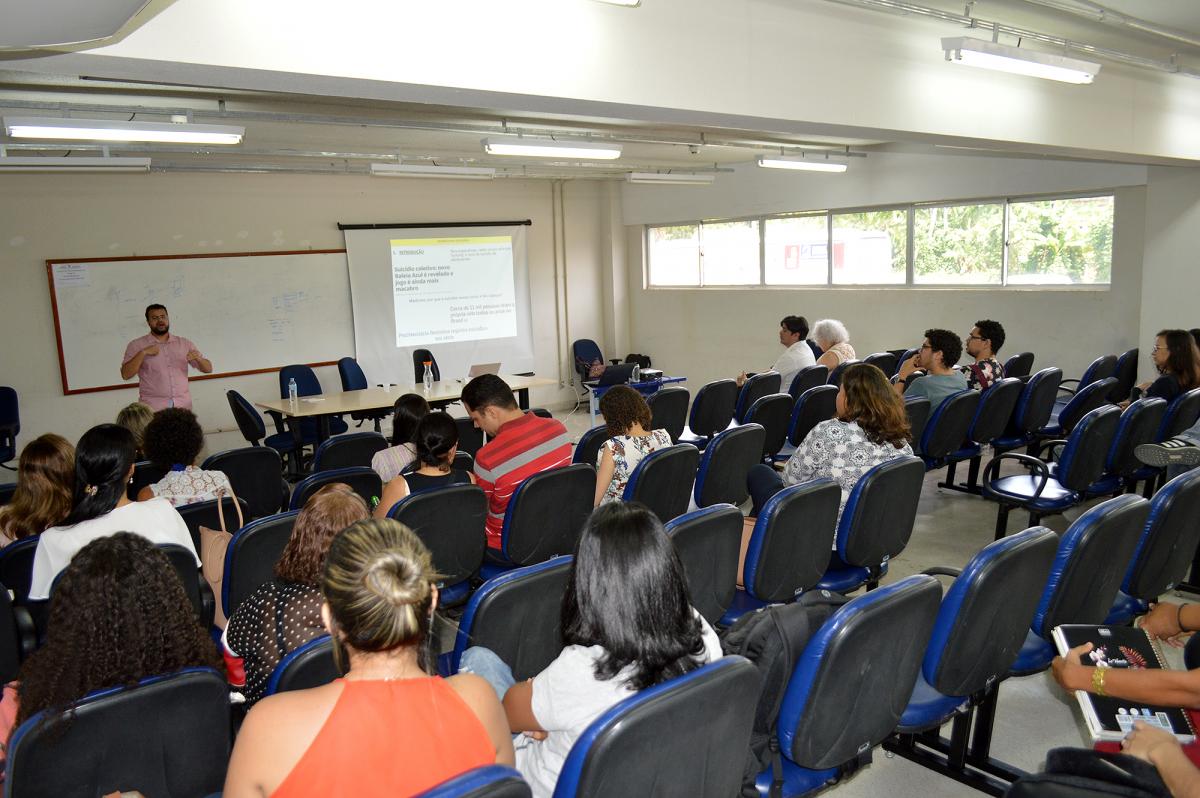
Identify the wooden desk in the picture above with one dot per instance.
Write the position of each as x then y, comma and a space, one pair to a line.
335, 404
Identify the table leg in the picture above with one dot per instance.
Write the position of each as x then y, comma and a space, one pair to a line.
322, 429
523, 398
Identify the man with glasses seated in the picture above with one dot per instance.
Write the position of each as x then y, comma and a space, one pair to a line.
983, 343
937, 356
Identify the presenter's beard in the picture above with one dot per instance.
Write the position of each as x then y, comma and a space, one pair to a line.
166, 328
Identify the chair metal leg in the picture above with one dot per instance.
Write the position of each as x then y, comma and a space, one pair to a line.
1001, 521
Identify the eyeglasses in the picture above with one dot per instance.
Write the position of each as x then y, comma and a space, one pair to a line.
974, 337
1157, 348
925, 346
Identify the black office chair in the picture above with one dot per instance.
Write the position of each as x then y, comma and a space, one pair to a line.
669, 409
663, 481
1065, 416
346, 451
996, 406
254, 430
470, 437
353, 379
1032, 412
253, 472
772, 412
487, 781
1019, 365
544, 518
419, 356
168, 736
707, 542
1101, 368
721, 477
365, 482
835, 376
307, 384
753, 389
587, 352
450, 522
6, 492
807, 378
310, 665
588, 448
947, 428
1139, 424
16, 567
251, 556
10, 425
711, 413
144, 473
1126, 374
18, 638
208, 514
815, 405
884, 361
903, 357
199, 594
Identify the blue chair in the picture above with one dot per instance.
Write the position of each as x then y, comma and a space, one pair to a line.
916, 408
835, 376
654, 741
789, 547
996, 405
518, 615
773, 413
353, 379
419, 356
197, 590
18, 638
10, 425
1093, 556
712, 410
169, 735
254, 473
725, 463
1139, 424
488, 781
814, 406
1182, 413
586, 352
980, 627
948, 427
1101, 368
1019, 365
588, 449
875, 526
1126, 375
663, 481
754, 388
544, 518
16, 566
906, 356
307, 384
884, 361
1049, 491
707, 542
310, 665
254, 431
807, 378
1065, 416
1032, 411
209, 514
365, 482
851, 685
347, 451
144, 473
1165, 549
6, 492
450, 521
669, 410
251, 555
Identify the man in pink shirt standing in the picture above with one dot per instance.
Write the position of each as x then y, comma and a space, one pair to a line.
160, 361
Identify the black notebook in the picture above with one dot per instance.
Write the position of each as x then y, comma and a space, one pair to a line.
1119, 647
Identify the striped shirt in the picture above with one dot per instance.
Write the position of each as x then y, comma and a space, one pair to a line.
521, 448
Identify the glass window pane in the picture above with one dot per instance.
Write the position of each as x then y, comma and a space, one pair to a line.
958, 244
674, 254
870, 247
730, 253
1060, 242
797, 250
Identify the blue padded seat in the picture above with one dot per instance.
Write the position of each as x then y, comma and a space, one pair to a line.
307, 384
948, 427
488, 781
588, 449
450, 521
835, 376
10, 423
663, 481
754, 388
707, 542
669, 410
345, 451
712, 410
1064, 417
254, 430
996, 406
727, 459
251, 555
310, 665
353, 379
365, 482
586, 352
806, 378
815, 405
1019, 365
1032, 411
1139, 424
772, 412
254, 472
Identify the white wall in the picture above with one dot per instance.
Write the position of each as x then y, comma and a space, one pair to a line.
69, 216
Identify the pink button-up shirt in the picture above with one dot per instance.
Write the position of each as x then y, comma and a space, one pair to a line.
163, 378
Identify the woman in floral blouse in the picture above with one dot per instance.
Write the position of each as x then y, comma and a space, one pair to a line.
627, 417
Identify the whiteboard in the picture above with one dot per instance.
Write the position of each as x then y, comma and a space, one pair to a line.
246, 312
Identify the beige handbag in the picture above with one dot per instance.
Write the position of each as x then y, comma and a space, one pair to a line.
213, 543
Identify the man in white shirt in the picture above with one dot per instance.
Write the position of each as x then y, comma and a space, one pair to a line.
793, 330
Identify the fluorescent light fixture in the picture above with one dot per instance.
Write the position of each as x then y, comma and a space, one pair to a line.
72, 164
1001, 57
801, 163
547, 148
107, 130
430, 170
664, 179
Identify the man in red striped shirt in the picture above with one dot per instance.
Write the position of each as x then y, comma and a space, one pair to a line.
520, 445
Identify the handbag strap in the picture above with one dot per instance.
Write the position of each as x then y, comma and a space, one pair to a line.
221, 494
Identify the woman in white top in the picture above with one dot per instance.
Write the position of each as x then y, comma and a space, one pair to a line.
103, 467
627, 417
834, 340
173, 440
406, 415
627, 625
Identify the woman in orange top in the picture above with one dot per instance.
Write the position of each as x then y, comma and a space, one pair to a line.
387, 728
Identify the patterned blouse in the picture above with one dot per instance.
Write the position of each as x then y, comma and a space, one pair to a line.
842, 352
983, 374
191, 485
627, 451
841, 451
277, 619
389, 462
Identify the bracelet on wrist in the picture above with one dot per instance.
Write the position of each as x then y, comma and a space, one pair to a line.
1098, 675
1179, 619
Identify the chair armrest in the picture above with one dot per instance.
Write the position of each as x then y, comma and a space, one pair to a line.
1051, 446
940, 571
208, 604
1062, 387
616, 361
1034, 464
277, 419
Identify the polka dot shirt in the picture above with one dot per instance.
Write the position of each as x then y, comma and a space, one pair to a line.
278, 618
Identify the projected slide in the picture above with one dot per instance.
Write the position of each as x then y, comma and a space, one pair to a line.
453, 289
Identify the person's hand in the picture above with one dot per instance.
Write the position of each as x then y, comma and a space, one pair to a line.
908, 367
1144, 739
536, 735
151, 350
741, 379
1144, 385
1162, 623
1068, 672
194, 355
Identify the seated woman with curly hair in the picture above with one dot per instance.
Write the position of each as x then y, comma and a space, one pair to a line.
118, 615
173, 442
627, 417
45, 489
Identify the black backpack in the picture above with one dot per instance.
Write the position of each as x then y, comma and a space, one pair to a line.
643, 361
773, 638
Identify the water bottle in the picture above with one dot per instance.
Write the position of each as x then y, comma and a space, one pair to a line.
637, 373
293, 392
428, 376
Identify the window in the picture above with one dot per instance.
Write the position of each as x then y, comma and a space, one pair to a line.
729, 253
958, 244
796, 250
1060, 241
675, 255
870, 247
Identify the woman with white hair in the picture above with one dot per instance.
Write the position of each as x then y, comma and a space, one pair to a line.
834, 340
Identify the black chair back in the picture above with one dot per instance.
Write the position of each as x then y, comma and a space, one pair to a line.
10, 423
307, 383
365, 482
663, 481
1139, 424
208, 514
254, 473
15, 643
791, 551
1126, 374
949, 424
346, 451
1037, 401
1082, 460
487, 781
884, 361
585, 352
713, 408
657, 737
144, 473
168, 736
351, 375
184, 563
1086, 399
807, 378
1169, 541
547, 512
814, 406
1182, 414
470, 437
248, 420
16, 567
669, 410
905, 356
835, 376
310, 665
588, 449
1019, 365
6, 492
726, 461
772, 412
450, 522
917, 410
251, 556
1100, 368
878, 518
518, 615
708, 541
753, 389
419, 357
996, 407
